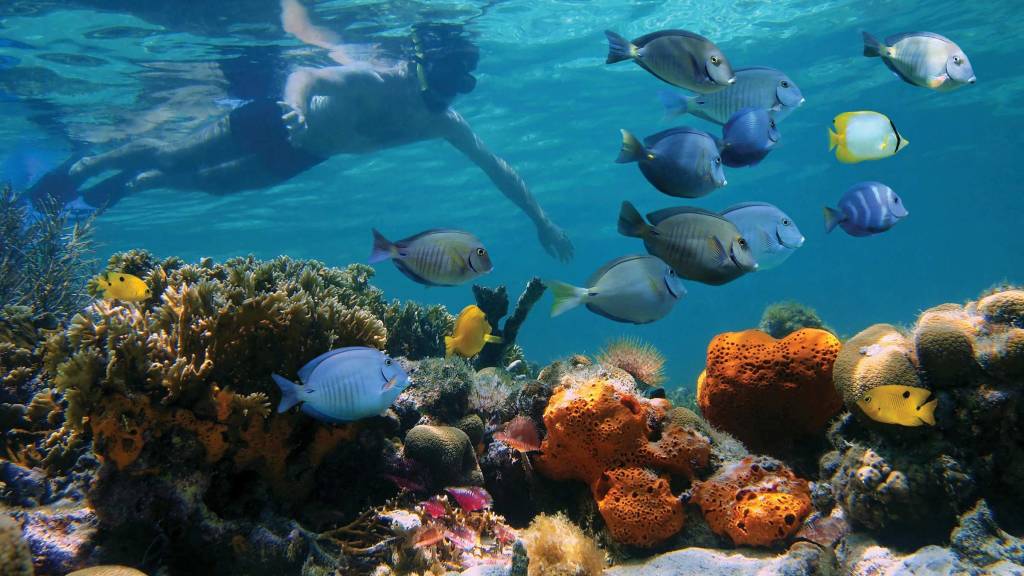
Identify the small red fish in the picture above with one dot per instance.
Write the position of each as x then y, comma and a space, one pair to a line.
462, 537
470, 498
504, 534
428, 537
434, 507
521, 434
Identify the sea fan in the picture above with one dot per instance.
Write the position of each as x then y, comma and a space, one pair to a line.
640, 359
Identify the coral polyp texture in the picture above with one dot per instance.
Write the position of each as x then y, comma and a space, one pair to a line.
601, 432
641, 360
769, 393
914, 483
755, 502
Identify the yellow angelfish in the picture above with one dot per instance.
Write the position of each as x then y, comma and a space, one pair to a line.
472, 331
896, 404
121, 286
864, 135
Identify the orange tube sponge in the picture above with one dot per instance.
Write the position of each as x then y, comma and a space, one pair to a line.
769, 393
755, 502
605, 435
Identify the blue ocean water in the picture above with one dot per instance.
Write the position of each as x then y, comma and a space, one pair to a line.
85, 76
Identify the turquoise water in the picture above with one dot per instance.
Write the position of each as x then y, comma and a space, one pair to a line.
98, 73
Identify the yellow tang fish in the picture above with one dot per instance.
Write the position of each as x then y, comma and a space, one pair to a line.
472, 331
121, 286
864, 135
109, 570
903, 405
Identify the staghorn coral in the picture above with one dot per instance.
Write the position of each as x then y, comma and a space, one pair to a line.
641, 360
756, 501
447, 452
15, 558
602, 433
494, 303
557, 547
783, 318
768, 393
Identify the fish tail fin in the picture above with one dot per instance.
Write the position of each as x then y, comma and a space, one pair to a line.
872, 47
382, 248
675, 104
566, 296
494, 339
449, 346
832, 219
927, 412
619, 48
632, 150
289, 393
631, 223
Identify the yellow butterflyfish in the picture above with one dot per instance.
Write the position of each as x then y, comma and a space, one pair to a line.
864, 135
472, 331
121, 286
897, 404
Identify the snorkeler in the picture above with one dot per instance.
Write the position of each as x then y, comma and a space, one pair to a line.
356, 108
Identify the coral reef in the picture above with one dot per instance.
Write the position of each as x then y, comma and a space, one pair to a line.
783, 318
802, 559
641, 360
557, 547
770, 394
416, 332
602, 433
494, 303
909, 485
15, 558
447, 452
755, 502
439, 391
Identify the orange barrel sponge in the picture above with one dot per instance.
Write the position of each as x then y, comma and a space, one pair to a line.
623, 447
755, 502
769, 393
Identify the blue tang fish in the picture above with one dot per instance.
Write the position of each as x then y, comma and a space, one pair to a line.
748, 137
344, 385
866, 208
756, 87
771, 233
682, 162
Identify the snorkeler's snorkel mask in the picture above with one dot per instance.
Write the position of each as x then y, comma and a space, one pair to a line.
444, 58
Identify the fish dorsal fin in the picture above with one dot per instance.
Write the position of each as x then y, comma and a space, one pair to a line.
592, 281
742, 205
891, 40
306, 371
658, 216
648, 38
758, 69
406, 241
653, 139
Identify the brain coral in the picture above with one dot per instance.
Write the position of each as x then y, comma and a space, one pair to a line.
756, 501
602, 433
769, 393
447, 452
878, 356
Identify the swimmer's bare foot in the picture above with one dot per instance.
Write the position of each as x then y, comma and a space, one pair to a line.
83, 168
145, 180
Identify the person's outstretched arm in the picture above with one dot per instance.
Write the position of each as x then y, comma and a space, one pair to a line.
506, 179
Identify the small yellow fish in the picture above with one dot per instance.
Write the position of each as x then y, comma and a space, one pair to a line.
110, 570
864, 135
896, 404
121, 286
472, 331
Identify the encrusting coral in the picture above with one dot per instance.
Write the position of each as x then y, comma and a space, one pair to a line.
641, 360
15, 558
770, 394
557, 547
601, 432
755, 502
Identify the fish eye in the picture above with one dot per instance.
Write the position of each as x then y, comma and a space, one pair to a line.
718, 161
896, 199
480, 251
121, 278
956, 60
771, 123
906, 394
786, 222
388, 362
743, 242
671, 272
784, 84
716, 60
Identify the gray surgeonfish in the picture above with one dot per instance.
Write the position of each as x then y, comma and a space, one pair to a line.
865, 209
436, 257
682, 162
771, 233
679, 57
756, 87
923, 59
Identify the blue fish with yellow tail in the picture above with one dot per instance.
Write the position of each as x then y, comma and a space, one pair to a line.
344, 385
866, 208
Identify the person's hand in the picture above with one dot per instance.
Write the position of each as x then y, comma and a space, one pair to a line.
294, 122
555, 241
